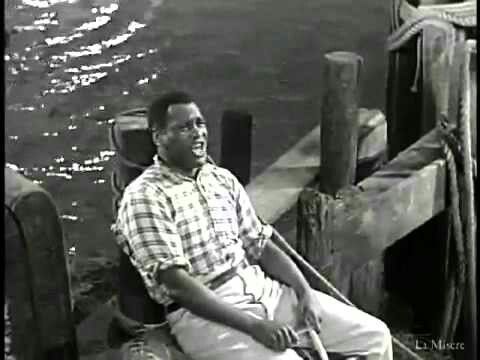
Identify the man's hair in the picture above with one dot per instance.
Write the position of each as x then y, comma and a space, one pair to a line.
157, 113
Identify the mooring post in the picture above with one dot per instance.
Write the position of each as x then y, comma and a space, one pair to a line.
339, 138
36, 274
236, 143
339, 128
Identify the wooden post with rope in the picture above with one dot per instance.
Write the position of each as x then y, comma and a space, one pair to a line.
431, 23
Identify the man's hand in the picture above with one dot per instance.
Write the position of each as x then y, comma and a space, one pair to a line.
310, 309
274, 335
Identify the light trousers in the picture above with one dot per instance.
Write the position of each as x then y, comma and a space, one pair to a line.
345, 329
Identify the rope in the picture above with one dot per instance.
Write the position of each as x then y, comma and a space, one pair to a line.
463, 21
411, 28
458, 148
395, 14
458, 238
418, 65
417, 19
469, 215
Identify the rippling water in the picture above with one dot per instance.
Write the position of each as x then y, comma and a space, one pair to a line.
72, 64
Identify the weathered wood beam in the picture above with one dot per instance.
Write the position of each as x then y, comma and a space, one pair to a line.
394, 201
274, 191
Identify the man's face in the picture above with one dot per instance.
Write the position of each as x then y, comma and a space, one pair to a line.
185, 136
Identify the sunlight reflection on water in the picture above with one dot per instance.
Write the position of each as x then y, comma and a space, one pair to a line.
72, 65
44, 61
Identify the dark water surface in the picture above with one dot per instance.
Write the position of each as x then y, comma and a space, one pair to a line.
74, 63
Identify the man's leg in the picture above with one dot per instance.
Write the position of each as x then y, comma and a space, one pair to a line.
201, 339
345, 329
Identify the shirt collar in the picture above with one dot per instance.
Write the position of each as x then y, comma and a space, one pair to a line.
166, 168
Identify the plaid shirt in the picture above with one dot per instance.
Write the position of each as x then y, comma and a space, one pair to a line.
206, 225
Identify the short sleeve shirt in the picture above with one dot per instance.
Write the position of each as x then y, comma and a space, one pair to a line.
205, 224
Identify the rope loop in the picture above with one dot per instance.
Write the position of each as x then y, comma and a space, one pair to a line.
416, 19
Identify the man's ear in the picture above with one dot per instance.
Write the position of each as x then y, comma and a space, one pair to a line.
157, 137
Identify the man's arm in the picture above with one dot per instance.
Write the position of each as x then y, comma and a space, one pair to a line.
273, 260
280, 266
203, 302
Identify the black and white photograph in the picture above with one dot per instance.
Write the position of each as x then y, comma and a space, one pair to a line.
240, 180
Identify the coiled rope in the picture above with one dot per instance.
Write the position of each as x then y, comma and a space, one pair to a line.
419, 19
411, 28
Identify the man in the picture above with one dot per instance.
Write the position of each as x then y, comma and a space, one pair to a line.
229, 292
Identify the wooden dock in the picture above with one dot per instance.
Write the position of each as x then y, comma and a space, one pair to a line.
368, 187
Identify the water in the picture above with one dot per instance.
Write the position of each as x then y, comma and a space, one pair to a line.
72, 64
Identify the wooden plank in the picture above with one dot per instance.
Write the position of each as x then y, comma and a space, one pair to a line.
395, 200
372, 144
372, 136
367, 287
276, 190
364, 221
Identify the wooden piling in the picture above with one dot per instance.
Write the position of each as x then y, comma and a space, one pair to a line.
339, 128
314, 219
37, 282
236, 143
339, 139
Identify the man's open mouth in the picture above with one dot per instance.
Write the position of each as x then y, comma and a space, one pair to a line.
199, 149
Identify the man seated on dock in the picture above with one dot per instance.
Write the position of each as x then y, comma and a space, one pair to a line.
228, 291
